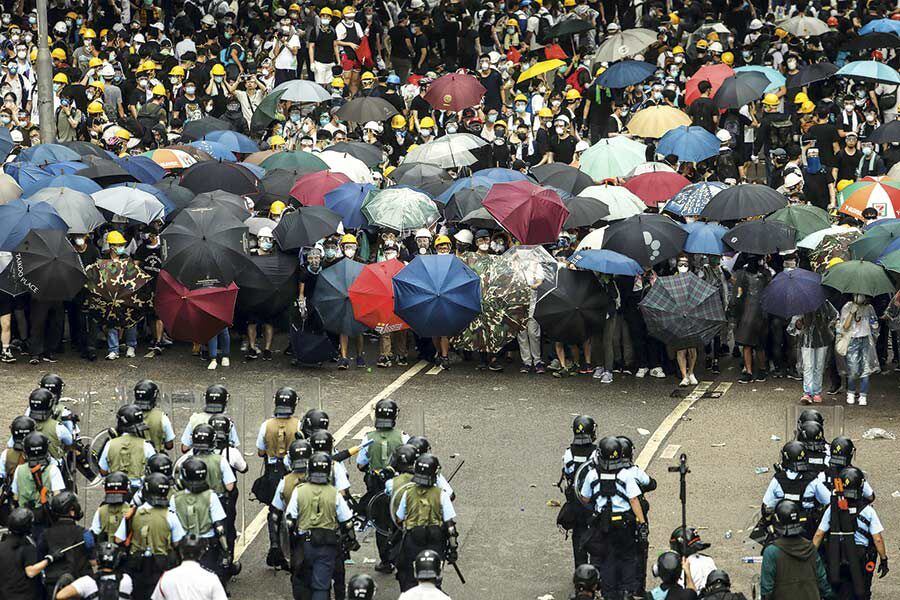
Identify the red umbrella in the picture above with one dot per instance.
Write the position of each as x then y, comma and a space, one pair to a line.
534, 215
310, 189
657, 186
715, 74
372, 296
454, 92
194, 315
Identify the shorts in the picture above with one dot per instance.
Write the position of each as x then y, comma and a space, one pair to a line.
350, 64
322, 72
7, 303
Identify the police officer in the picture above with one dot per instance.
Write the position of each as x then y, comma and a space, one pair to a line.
220, 476
222, 427
794, 481
155, 531
114, 507
108, 583
55, 384
618, 525
427, 571
646, 484
812, 435
216, 401
314, 420
129, 451
691, 547
573, 515
159, 428
298, 457
718, 587
668, 568
841, 454
428, 519
586, 581
19, 564
10, 458
36, 480
320, 521
41, 404
423, 446
158, 463
791, 567
361, 587
63, 537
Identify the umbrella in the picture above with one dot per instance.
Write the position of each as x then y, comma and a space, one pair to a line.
761, 237
254, 224
704, 238
454, 91
347, 201
177, 195
480, 218
562, 176
743, 201
26, 175
46, 264
75, 208
437, 295
886, 134
539, 69
871, 41
400, 209
130, 203
198, 154
68, 167
654, 188
793, 292
880, 26
296, 159
592, 241
869, 70
9, 189
268, 285
311, 348
649, 167
276, 185
194, 315
871, 246
372, 297
44, 154
431, 179
106, 172
87, 149
305, 226
310, 189
881, 194
622, 45
72, 182
216, 150
533, 267
574, 309
803, 26
218, 200
349, 165
813, 73
566, 27
584, 211
689, 144
170, 159
366, 108
198, 128
21, 216
9, 283
621, 202
776, 79
683, 311
648, 239
482, 178
212, 175
858, 277
612, 157
891, 261
691, 201
142, 168
464, 201
267, 112
118, 293
606, 262
804, 218
714, 74
332, 297
449, 151
833, 246
813, 240
533, 215
741, 89
369, 154
655, 121
625, 73
204, 247
300, 90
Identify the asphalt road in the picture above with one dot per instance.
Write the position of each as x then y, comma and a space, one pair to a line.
511, 430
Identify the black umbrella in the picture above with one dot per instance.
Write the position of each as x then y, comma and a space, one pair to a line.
464, 201
268, 285
204, 247
87, 149
214, 175
332, 297
743, 201
232, 204
761, 237
366, 108
178, 194
876, 39
683, 311
574, 309
311, 348
195, 130
563, 177
566, 28
370, 154
276, 184
480, 218
105, 172
305, 226
584, 212
885, 134
811, 74
47, 266
741, 89
431, 179
649, 239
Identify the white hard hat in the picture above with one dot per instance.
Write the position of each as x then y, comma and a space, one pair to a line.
464, 236
16, 135
612, 28
581, 146
107, 70
265, 232
716, 47
423, 233
724, 135
793, 178
208, 20
755, 25
60, 27
373, 126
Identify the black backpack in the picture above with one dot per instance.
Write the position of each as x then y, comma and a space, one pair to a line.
543, 28
781, 132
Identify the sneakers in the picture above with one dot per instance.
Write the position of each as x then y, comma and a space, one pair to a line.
7, 356
539, 368
585, 369
383, 362
834, 389
714, 369
129, 353
383, 567
607, 377
267, 355
495, 365
685, 382
851, 398
252, 354
625, 371
444, 362
343, 364
598, 373
793, 374
760, 376
212, 365
525, 369
48, 358
806, 399
692, 379
554, 365
642, 372
863, 400
112, 356
225, 361
817, 399
360, 362
36, 360
657, 372
401, 361
746, 377
561, 372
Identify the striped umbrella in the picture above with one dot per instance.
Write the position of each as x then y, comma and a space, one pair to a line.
880, 193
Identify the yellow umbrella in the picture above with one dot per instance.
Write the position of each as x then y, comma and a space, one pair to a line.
540, 68
655, 121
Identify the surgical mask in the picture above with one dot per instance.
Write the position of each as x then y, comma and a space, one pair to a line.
520, 107
556, 103
330, 253
484, 246
390, 254
219, 78
425, 132
5, 120
350, 251
324, 120
849, 107
673, 70
142, 83
492, 117
57, 87
285, 30
500, 132
234, 107
657, 95
79, 241
87, 43
22, 54
326, 20
791, 64
349, 21
29, 36
120, 250
189, 89
296, 117
227, 35
870, 118
401, 135
452, 128
510, 30
266, 244
747, 56
305, 127
560, 130
683, 268
867, 150
678, 59
32, 20
174, 80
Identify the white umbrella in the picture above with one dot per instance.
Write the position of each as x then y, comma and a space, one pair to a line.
448, 152
130, 203
623, 45
803, 26
75, 208
9, 188
593, 240
621, 202
649, 167
349, 165
813, 240
254, 224
300, 90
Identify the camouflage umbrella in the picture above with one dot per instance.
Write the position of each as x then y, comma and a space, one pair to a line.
118, 292
831, 247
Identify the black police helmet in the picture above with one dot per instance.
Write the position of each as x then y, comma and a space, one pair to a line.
222, 427
319, 469
130, 419
692, 542
322, 441
54, 383
156, 489
191, 547
810, 414
203, 438
40, 404
427, 565
842, 452
812, 435
627, 447
403, 459
36, 447
64, 504
160, 463
216, 399
109, 556
386, 412
361, 587
19, 428
146, 393
586, 578
793, 456
20, 521
716, 581
285, 402
426, 470
668, 567
853, 480
609, 453
420, 443
313, 420
116, 486
299, 453
194, 474
584, 430
789, 518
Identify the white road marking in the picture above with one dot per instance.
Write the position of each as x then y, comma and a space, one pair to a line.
434, 370
259, 521
670, 451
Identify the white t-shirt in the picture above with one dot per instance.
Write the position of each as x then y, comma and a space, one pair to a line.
189, 581
85, 586
424, 591
287, 60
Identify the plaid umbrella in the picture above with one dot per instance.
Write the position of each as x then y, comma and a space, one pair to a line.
683, 311
118, 292
831, 247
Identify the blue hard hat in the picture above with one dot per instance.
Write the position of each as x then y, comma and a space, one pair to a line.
393, 79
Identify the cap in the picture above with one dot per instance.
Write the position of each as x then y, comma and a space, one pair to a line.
793, 178
208, 20
724, 135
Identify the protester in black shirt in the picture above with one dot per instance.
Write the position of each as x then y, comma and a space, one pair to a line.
703, 111
562, 144
401, 46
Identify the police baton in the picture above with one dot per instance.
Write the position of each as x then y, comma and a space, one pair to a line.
452, 475
682, 470
459, 574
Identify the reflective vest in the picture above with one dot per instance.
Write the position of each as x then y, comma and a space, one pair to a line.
193, 511
153, 419
111, 516
423, 507
126, 453
27, 491
150, 531
213, 463
316, 505
48, 428
291, 481
279, 435
385, 441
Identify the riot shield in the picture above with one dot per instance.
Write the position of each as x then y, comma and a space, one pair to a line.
379, 513
834, 420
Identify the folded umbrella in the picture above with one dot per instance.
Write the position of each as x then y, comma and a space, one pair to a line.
400, 209
437, 295
142, 168
655, 121
704, 238
454, 91
683, 311
606, 261
649, 239
268, 285
621, 202
194, 315
305, 226
804, 218
793, 292
198, 128
310, 189
294, 160
369, 154
22, 215
533, 215
612, 157
869, 70
858, 277
624, 73
75, 208
574, 309
203, 248
689, 144
654, 188
761, 237
44, 154
431, 179
347, 201
213, 175
372, 297
47, 266
715, 74
118, 293
813, 73
584, 211
332, 298
564, 177
743, 201
691, 201
349, 165
130, 203
366, 108
232, 141
741, 89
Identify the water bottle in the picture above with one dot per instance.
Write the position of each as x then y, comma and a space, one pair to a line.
752, 560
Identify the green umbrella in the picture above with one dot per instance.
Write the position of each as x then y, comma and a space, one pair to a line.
805, 218
295, 160
891, 262
401, 209
874, 241
613, 157
862, 277
267, 111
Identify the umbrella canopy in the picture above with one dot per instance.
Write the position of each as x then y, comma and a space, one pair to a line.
623, 45
311, 348
464, 201
372, 297
130, 203
655, 121
218, 200
793, 292
869, 70
683, 311
198, 128
654, 188
204, 247
9, 189
831, 247
533, 215
612, 157
170, 159
369, 154
886, 134
567, 27
480, 218
804, 26
606, 261
366, 108
540, 68
22, 215
179, 196
873, 243
449, 151
142, 168
332, 298
349, 165
295, 160
106, 173
689, 144
813, 73
64, 168
118, 293
276, 185
648, 239
858, 277
268, 285
301, 90
216, 150
776, 79
44, 154
714, 74
625, 73
804, 218
562, 176
347, 201
454, 92
584, 211
743, 201
431, 179
574, 309
621, 202
691, 201
880, 26
198, 154
704, 238
73, 207
881, 194
87, 149
310, 189
437, 295
254, 224
761, 237
484, 177
871, 41
194, 315
47, 266
741, 89
213, 175
400, 209
305, 226
891, 261
26, 175
814, 240
72, 182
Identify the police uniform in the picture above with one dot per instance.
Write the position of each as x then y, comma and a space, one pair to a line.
372, 458
16, 553
274, 439
574, 515
86, 587
424, 591
831, 471
59, 435
423, 510
159, 428
201, 418
867, 525
106, 520
127, 453
27, 492
806, 488
10, 458
286, 488
154, 533
197, 512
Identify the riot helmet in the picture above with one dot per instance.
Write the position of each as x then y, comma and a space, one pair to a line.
427, 565
216, 399
130, 419
54, 383
319, 469
425, 470
361, 587
420, 443
160, 463
322, 441
403, 459
65, 503
40, 404
584, 430
36, 447
203, 438
156, 489
853, 480
193, 474
692, 542
20, 427
299, 453
116, 486
793, 457
386, 412
146, 394
789, 518
285, 402
313, 420
842, 452
668, 567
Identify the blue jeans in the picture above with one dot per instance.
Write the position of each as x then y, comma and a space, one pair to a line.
314, 579
813, 368
858, 382
220, 344
112, 338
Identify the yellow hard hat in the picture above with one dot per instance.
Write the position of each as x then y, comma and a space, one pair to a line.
326, 11
398, 122
674, 19
95, 108
770, 100
295, 7
367, 76
728, 58
61, 78
177, 71
33, 54
426, 123
388, 170
441, 240
159, 90
98, 84
568, 3
807, 107
545, 113
781, 33
702, 44
348, 238
520, 98
573, 94
512, 23
89, 34
114, 238
500, 123
218, 69
58, 54
123, 134
800, 98
834, 261
276, 140
411, 148
843, 183
278, 206
94, 62
337, 82
678, 50
103, 32
147, 65
349, 11
712, 36
600, 71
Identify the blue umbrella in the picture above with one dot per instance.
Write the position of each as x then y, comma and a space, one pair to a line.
881, 26
624, 73
347, 200
484, 178
6, 143
75, 182
25, 174
19, 216
142, 168
879, 222
233, 141
704, 238
44, 154
255, 169
777, 79
436, 295
691, 201
332, 298
154, 191
215, 149
606, 261
67, 167
689, 143
869, 70
794, 292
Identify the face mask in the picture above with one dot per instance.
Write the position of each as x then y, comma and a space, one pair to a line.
485, 66
57, 87
390, 254
29, 37
520, 107
79, 241
326, 20
492, 118
349, 252
296, 117
425, 132
657, 95
747, 56
790, 264
792, 64
218, 78
305, 127
678, 59
120, 250
189, 89
870, 118
560, 130
313, 263
673, 70
22, 54
813, 164
227, 35
683, 268
522, 133
330, 253
348, 22
423, 249
867, 151
484, 246
510, 30
32, 20
142, 83
265, 244
452, 128
848, 107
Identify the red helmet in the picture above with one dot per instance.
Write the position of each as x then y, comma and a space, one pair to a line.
877, 55
832, 22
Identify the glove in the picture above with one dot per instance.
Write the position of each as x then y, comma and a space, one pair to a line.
642, 534
55, 557
452, 554
883, 568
